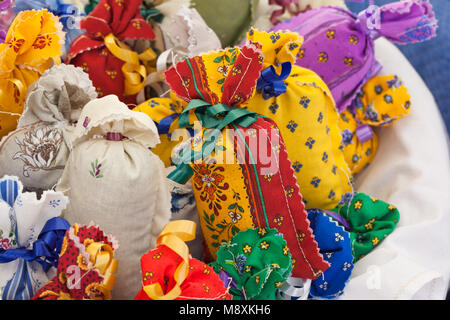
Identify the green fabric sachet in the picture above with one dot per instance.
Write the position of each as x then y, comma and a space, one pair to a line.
370, 221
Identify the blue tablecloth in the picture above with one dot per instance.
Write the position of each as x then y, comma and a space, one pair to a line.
431, 59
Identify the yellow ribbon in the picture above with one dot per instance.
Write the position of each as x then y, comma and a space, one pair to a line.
174, 235
102, 256
134, 72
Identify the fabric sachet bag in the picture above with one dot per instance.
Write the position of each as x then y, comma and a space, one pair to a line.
112, 177
113, 66
170, 273
302, 107
381, 101
68, 14
33, 44
254, 264
335, 246
38, 149
339, 46
369, 221
31, 238
86, 267
242, 177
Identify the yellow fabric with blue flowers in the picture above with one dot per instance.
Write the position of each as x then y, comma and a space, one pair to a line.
158, 109
382, 101
33, 43
308, 120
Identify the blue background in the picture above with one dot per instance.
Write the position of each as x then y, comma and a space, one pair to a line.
431, 58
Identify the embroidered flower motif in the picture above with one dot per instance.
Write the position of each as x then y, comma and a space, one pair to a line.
262, 232
347, 137
330, 34
248, 268
391, 207
103, 53
274, 37
292, 126
107, 6
209, 182
120, 2
353, 39
237, 69
137, 24
320, 118
148, 276
334, 169
42, 41
369, 225
358, 205
111, 73
62, 277
338, 237
273, 107
378, 89
315, 181
324, 286
355, 158
96, 169
375, 241
93, 290
388, 98
85, 67
301, 53
325, 157
289, 191
235, 216
186, 82
292, 46
331, 195
247, 249
5, 243
99, 92
278, 220
323, 57
285, 250
300, 235
157, 255
206, 270
82, 262
304, 102
223, 70
264, 245
38, 149
310, 142
276, 148
348, 61
328, 255
15, 44
297, 166
268, 177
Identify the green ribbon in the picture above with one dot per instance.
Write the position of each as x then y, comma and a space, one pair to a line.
212, 117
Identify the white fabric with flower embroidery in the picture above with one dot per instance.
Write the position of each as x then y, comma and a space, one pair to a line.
22, 217
411, 171
37, 150
113, 179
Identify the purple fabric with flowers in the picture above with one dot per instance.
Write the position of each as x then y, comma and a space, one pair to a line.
339, 46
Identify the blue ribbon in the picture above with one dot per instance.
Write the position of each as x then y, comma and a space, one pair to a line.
45, 249
270, 84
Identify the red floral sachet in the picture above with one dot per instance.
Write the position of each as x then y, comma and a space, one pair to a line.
169, 273
86, 267
113, 67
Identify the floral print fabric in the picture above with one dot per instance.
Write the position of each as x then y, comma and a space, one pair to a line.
33, 43
370, 220
81, 274
382, 101
255, 263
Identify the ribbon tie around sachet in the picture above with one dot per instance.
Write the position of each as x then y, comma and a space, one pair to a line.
174, 235
136, 66
211, 117
270, 84
45, 249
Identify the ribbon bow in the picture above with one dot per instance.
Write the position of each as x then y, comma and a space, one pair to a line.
134, 71
174, 235
370, 21
45, 249
270, 84
212, 117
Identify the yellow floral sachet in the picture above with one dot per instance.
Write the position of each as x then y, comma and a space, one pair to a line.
382, 101
303, 108
33, 44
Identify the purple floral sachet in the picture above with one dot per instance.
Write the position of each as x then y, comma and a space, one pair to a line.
339, 46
